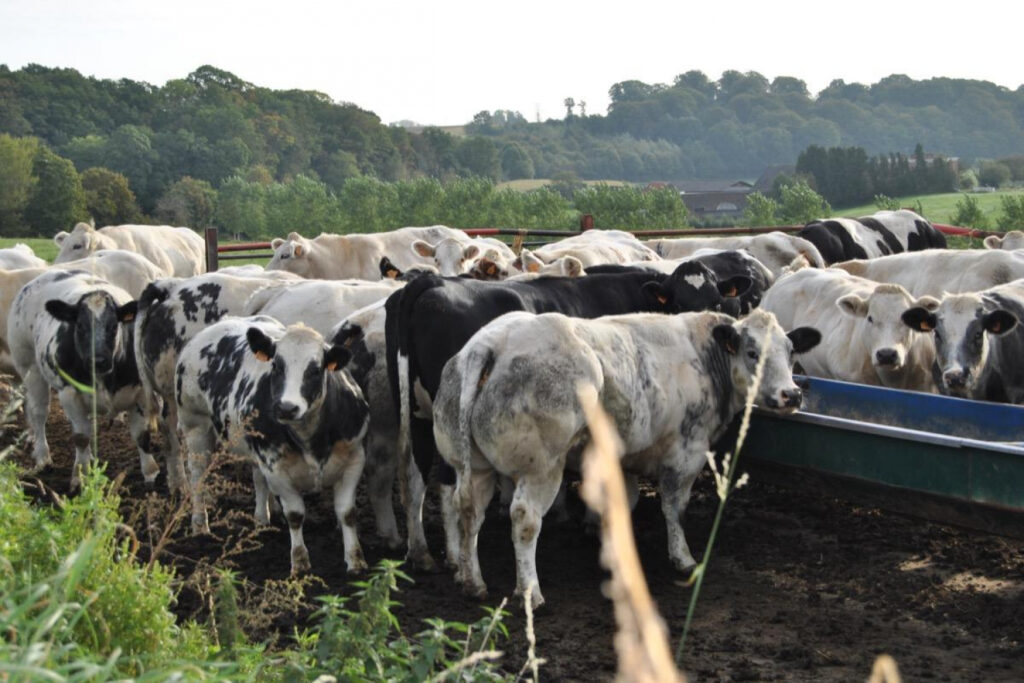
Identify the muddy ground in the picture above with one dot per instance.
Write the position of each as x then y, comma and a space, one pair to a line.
802, 585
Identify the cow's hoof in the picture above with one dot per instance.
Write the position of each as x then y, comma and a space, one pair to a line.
300, 561
421, 562
684, 566
536, 599
392, 542
476, 592
40, 465
200, 525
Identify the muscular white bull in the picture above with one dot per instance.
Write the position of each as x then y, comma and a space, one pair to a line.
595, 247
776, 250
1011, 241
936, 271
178, 252
508, 404
863, 336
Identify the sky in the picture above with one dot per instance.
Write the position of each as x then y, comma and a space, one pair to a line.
439, 62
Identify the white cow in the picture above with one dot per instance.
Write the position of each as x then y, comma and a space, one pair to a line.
338, 257
863, 336
936, 271
20, 256
1010, 241
776, 250
178, 252
453, 257
595, 247
508, 404
320, 304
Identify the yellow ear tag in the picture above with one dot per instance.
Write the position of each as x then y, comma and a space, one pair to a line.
731, 292
391, 274
662, 299
262, 357
533, 267
332, 366
298, 250
130, 317
925, 327
492, 269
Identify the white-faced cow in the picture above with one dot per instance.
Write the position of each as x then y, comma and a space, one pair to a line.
19, 256
594, 247
979, 342
453, 257
279, 397
69, 327
881, 234
339, 257
431, 318
508, 404
775, 250
863, 336
1011, 241
935, 271
171, 312
178, 252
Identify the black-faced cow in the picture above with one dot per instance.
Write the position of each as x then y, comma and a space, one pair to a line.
979, 342
881, 234
279, 397
431, 318
863, 337
508, 404
68, 327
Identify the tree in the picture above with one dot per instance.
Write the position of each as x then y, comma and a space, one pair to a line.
761, 211
1012, 217
994, 173
800, 204
189, 202
57, 200
108, 198
479, 157
240, 208
515, 162
16, 180
569, 104
969, 214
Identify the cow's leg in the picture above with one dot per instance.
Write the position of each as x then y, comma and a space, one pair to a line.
37, 409
676, 480
450, 521
472, 495
200, 442
506, 487
79, 412
263, 495
138, 426
381, 464
418, 554
295, 513
344, 508
176, 480
559, 513
535, 492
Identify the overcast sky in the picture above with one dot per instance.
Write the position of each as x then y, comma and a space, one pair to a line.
441, 61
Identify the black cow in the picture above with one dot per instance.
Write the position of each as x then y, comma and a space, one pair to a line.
881, 234
432, 317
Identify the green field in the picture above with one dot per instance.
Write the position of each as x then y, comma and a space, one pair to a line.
939, 208
537, 183
44, 247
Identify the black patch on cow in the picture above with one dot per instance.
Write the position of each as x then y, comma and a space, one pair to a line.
204, 298
715, 364
890, 240
352, 337
220, 364
312, 381
833, 240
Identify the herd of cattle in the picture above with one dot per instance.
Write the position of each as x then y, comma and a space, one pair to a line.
422, 349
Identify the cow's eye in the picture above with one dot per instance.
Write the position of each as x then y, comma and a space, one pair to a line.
77, 246
752, 355
870, 319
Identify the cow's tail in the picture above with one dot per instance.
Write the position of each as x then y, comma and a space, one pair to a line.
476, 364
401, 358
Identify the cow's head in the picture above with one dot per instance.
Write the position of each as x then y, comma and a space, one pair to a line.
300, 362
564, 266
694, 287
79, 243
94, 322
450, 256
760, 333
961, 325
1012, 240
882, 331
291, 254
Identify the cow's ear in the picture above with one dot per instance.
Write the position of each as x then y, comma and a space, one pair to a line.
388, 270
653, 288
735, 286
275, 243
62, 310
422, 248
126, 313
470, 252
929, 303
804, 339
852, 305
727, 337
999, 322
572, 267
262, 346
489, 268
528, 263
993, 242
919, 318
60, 237
294, 236
336, 357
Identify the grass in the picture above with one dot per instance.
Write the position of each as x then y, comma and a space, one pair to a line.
537, 183
940, 208
44, 247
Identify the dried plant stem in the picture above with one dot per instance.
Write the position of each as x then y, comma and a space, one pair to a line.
641, 641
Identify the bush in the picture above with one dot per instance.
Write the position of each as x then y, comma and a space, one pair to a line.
994, 173
969, 214
885, 203
968, 179
1012, 217
761, 211
800, 204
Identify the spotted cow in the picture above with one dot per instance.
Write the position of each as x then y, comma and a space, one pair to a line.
880, 234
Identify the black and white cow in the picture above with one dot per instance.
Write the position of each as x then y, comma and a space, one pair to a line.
171, 312
881, 234
431, 318
509, 403
279, 397
70, 326
979, 342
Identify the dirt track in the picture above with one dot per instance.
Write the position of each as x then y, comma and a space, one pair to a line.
802, 586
